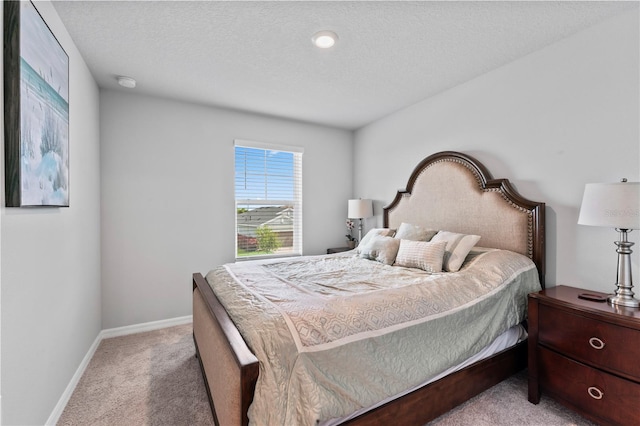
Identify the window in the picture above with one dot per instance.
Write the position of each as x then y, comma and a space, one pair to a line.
268, 188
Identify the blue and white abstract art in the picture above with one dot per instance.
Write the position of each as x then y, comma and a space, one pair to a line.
43, 113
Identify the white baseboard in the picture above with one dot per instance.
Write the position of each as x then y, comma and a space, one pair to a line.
106, 334
147, 326
64, 399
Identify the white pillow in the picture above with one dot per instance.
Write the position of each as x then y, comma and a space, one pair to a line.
458, 247
385, 232
421, 254
407, 231
380, 248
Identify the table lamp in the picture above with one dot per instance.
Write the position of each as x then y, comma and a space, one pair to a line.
359, 209
615, 205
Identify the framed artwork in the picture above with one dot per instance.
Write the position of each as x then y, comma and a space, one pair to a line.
36, 110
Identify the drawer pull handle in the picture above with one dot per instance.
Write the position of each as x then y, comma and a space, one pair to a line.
596, 343
595, 393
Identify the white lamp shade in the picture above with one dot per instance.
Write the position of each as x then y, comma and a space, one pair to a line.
359, 209
615, 205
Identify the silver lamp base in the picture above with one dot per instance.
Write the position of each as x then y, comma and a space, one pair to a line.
624, 295
627, 301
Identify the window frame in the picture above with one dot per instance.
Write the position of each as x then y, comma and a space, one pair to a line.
297, 197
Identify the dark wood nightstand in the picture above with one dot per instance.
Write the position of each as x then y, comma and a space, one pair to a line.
585, 354
338, 249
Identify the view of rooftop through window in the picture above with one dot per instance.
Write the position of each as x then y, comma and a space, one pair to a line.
266, 189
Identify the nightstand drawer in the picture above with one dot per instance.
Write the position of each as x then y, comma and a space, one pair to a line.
605, 396
600, 344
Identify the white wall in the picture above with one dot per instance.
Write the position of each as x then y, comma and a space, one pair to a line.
550, 122
168, 196
51, 266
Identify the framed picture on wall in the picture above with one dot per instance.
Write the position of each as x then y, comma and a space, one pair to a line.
36, 110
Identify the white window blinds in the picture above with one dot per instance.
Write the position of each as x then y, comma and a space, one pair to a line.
268, 189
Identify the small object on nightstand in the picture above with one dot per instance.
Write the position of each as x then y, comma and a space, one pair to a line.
593, 297
337, 250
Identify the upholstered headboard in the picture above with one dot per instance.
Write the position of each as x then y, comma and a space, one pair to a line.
455, 192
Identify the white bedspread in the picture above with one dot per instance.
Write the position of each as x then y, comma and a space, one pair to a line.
337, 333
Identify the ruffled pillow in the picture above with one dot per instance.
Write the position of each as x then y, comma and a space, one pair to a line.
379, 248
384, 232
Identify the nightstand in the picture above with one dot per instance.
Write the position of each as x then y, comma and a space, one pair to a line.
337, 249
585, 355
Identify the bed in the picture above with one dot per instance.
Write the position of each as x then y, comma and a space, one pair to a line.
446, 191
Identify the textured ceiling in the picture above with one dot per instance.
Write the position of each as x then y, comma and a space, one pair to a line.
258, 56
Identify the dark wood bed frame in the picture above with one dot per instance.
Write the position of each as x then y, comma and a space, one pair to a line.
415, 408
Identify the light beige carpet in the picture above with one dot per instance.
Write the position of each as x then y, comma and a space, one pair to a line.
507, 404
150, 378
153, 378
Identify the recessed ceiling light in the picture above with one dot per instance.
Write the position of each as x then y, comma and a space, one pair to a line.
127, 82
324, 39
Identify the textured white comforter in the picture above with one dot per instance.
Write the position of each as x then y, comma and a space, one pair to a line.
337, 333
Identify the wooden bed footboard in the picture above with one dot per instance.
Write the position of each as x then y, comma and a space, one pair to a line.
229, 368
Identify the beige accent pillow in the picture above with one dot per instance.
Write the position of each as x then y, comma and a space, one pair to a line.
385, 232
407, 231
380, 248
457, 249
421, 254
